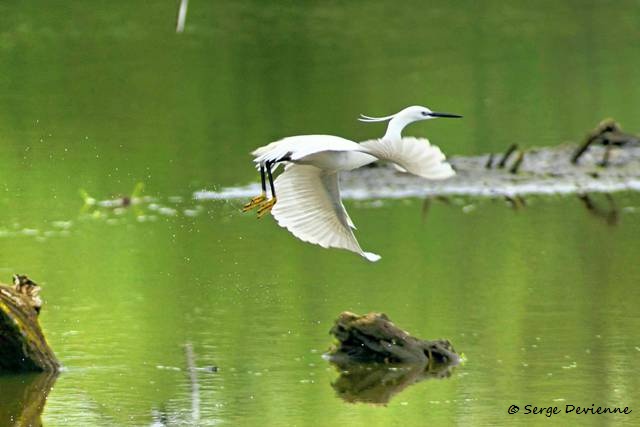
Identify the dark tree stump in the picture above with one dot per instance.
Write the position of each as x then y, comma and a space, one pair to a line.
377, 360
23, 346
373, 338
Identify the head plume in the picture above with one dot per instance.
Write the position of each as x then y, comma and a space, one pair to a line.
369, 119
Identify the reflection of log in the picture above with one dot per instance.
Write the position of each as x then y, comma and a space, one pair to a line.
376, 359
24, 397
374, 339
610, 214
379, 383
22, 344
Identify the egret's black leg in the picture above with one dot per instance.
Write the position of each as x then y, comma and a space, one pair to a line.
255, 202
273, 190
265, 207
262, 177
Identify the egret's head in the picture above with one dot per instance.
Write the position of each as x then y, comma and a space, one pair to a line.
411, 114
417, 113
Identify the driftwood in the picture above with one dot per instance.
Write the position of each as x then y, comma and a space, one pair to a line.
23, 346
373, 338
608, 133
376, 359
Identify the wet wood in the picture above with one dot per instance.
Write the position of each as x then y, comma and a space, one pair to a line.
489, 163
516, 165
503, 161
377, 360
373, 338
608, 133
23, 346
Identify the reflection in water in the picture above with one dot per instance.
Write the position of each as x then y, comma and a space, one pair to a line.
193, 379
165, 416
610, 214
23, 398
378, 383
607, 211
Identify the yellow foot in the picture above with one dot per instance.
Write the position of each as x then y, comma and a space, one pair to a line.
254, 203
265, 207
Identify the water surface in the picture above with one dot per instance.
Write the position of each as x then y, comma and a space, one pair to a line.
542, 301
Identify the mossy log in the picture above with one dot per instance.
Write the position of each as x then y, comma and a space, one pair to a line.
23, 346
377, 360
373, 338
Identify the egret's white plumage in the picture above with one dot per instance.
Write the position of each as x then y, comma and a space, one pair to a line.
413, 155
308, 191
309, 206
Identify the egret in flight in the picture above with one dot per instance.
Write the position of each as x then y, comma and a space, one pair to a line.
308, 202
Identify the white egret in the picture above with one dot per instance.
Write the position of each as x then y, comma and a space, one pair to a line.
308, 201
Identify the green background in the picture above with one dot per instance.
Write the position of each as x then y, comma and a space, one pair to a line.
101, 95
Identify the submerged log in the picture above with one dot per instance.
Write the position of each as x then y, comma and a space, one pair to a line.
377, 360
373, 338
23, 346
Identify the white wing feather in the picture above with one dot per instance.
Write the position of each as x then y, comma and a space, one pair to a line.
297, 147
309, 206
414, 155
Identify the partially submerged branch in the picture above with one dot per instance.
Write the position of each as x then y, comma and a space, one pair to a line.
607, 133
503, 161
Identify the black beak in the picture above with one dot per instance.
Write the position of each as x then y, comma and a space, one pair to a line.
453, 116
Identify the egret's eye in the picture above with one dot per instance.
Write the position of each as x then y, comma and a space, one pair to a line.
424, 113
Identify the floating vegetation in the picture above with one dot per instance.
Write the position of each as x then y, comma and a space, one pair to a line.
145, 208
112, 211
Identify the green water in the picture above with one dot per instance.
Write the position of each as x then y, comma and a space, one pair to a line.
102, 95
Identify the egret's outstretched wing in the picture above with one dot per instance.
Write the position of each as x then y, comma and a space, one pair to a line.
414, 155
297, 147
309, 206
